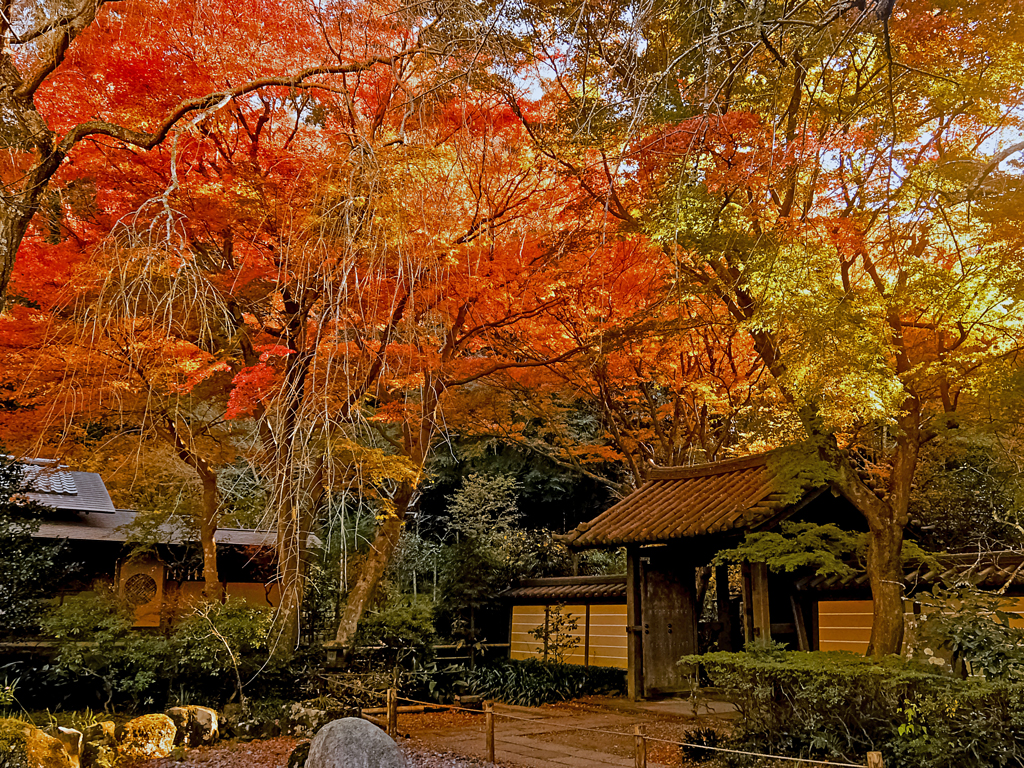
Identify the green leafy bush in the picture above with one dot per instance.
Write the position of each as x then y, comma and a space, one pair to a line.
208, 657
557, 634
406, 628
841, 706
97, 643
220, 646
531, 682
973, 627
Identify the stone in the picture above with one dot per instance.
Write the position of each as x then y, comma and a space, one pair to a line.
72, 741
25, 746
305, 721
297, 759
146, 737
467, 701
231, 715
97, 755
100, 733
196, 725
353, 743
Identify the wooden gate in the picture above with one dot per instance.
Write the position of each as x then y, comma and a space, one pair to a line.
669, 622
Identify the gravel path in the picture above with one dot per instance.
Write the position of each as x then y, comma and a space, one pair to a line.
422, 757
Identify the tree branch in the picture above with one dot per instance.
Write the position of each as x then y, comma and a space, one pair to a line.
198, 104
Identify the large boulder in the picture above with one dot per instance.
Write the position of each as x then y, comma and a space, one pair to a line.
146, 737
196, 725
353, 743
72, 741
25, 746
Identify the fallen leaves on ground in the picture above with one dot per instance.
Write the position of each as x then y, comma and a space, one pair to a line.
268, 753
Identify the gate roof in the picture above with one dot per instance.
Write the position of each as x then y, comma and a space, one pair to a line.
677, 502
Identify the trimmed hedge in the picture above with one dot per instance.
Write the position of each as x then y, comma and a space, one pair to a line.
841, 706
530, 682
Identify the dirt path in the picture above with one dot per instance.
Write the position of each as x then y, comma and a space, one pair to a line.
273, 753
596, 732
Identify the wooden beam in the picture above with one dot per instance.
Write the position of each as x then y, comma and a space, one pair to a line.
748, 608
586, 638
634, 625
722, 604
802, 639
759, 602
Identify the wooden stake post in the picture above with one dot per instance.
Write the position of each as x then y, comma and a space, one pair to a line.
641, 745
489, 721
875, 760
392, 712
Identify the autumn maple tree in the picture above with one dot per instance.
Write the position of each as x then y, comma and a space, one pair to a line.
844, 230
99, 71
826, 175
318, 237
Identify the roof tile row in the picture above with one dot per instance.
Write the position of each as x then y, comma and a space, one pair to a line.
678, 502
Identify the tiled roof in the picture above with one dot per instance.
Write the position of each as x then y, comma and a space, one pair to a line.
53, 480
677, 502
86, 527
58, 487
109, 528
582, 588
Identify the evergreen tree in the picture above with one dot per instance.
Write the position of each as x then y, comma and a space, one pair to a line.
28, 566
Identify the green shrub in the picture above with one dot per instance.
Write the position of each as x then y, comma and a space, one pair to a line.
840, 706
208, 657
400, 627
97, 642
531, 682
220, 647
973, 626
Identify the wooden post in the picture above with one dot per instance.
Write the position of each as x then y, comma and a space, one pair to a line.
759, 600
875, 760
641, 745
392, 712
634, 625
586, 638
547, 629
489, 718
748, 608
722, 605
803, 642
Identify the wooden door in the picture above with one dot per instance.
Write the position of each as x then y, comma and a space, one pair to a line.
669, 622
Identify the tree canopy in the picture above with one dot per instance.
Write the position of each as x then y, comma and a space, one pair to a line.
329, 239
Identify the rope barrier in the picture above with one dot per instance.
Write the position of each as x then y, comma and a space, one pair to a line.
360, 688
758, 754
648, 738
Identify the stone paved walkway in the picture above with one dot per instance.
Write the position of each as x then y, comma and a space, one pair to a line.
549, 737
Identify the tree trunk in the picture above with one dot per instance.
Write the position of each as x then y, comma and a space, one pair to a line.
373, 568
885, 572
22, 129
16, 212
291, 562
213, 589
